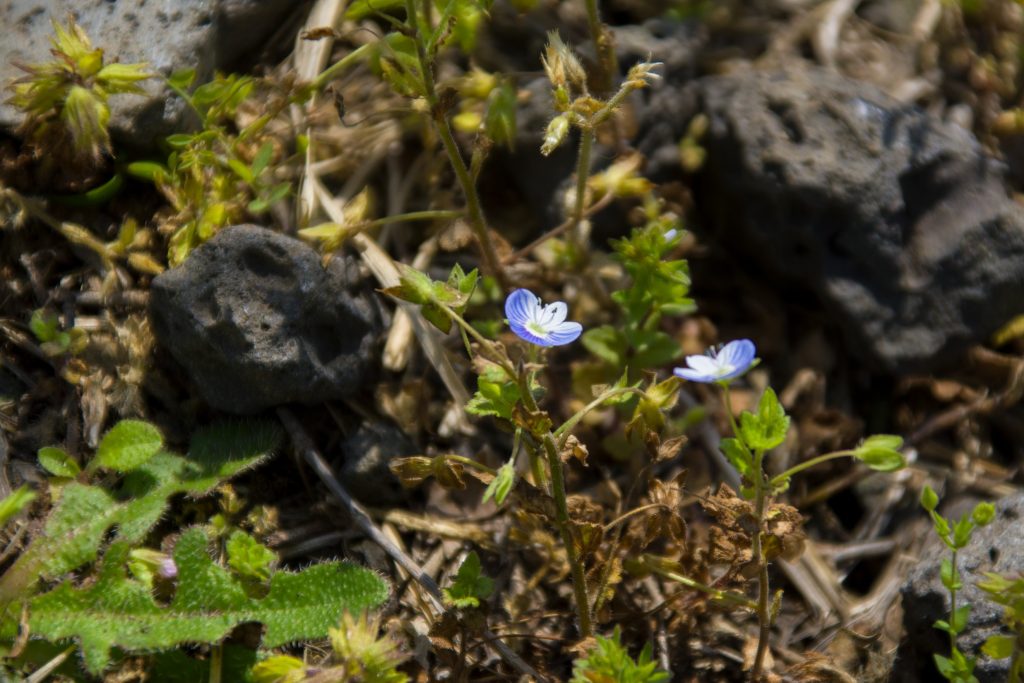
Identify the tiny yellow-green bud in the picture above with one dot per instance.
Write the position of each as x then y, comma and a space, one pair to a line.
554, 136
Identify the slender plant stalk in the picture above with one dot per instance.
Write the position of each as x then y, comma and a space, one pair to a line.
807, 464
764, 619
579, 580
603, 47
548, 440
952, 607
440, 117
582, 174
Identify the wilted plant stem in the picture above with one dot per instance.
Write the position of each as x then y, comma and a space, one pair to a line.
439, 116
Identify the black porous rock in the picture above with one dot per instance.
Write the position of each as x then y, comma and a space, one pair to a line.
257, 321
899, 223
367, 454
999, 548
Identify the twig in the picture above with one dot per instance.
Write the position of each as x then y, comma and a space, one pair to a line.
362, 521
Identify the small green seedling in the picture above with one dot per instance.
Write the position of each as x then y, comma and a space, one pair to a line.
610, 661
958, 666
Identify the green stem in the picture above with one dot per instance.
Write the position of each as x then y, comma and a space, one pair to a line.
334, 70
807, 464
715, 593
440, 117
604, 49
469, 462
437, 214
582, 174
760, 499
952, 607
581, 413
763, 613
579, 581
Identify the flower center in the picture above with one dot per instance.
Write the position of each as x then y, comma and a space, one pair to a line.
724, 369
537, 329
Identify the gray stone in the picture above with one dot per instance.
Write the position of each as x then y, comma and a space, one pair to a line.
999, 548
257, 321
201, 34
367, 454
898, 222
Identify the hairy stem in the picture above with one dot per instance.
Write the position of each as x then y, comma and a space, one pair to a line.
757, 552
582, 174
440, 117
603, 47
579, 581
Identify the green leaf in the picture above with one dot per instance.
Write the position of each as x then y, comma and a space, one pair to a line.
58, 463
117, 611
182, 79
360, 9
262, 158
500, 118
999, 646
496, 395
248, 557
949, 576
129, 444
653, 348
945, 666
84, 514
16, 501
962, 531
501, 485
606, 343
738, 456
44, 325
958, 618
470, 585
767, 429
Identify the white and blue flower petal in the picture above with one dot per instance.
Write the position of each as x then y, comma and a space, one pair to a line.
727, 363
539, 324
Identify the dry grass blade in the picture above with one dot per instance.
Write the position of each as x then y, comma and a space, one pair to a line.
304, 444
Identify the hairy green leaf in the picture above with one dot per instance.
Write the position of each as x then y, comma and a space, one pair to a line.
129, 444
117, 611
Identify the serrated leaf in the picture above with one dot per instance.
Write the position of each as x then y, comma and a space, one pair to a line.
470, 585
767, 429
248, 557
495, 396
84, 514
117, 611
57, 462
129, 444
738, 456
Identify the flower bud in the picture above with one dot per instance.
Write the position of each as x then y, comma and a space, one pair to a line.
562, 65
557, 131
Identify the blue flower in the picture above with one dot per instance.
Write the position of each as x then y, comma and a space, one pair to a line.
539, 324
720, 365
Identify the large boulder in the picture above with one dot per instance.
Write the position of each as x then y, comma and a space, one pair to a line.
899, 223
256, 321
